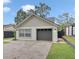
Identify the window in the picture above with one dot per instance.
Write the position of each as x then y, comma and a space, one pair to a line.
21, 33
25, 33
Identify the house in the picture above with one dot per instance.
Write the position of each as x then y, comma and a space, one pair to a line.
8, 30
36, 28
70, 30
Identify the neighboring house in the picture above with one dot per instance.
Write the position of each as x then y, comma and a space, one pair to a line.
70, 30
36, 28
8, 30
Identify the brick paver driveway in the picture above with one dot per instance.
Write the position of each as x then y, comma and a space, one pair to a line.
26, 50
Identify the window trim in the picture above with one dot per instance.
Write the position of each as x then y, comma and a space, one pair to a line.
25, 31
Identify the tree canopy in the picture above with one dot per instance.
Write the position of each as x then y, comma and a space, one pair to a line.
65, 20
21, 15
42, 10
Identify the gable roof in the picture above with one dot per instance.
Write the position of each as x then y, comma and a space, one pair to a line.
44, 19
9, 27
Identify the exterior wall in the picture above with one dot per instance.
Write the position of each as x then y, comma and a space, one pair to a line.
17, 34
35, 23
23, 38
54, 32
8, 28
74, 31
70, 30
67, 31
34, 33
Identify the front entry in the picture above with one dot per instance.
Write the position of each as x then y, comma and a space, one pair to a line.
44, 34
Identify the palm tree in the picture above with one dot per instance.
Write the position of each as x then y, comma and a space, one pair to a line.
42, 10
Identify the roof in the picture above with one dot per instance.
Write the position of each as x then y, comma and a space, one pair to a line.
9, 27
46, 20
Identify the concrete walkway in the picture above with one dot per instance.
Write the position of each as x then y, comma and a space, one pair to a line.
26, 50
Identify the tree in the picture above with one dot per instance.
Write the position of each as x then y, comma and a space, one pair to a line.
31, 11
21, 15
54, 19
42, 10
71, 20
65, 20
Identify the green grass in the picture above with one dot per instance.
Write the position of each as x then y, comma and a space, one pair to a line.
61, 51
71, 39
6, 42
7, 38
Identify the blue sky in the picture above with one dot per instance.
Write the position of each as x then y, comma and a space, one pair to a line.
57, 7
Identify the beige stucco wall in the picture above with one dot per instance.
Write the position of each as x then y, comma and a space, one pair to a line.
54, 32
35, 23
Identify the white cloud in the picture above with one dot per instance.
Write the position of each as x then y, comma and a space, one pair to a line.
6, 9
28, 7
6, 1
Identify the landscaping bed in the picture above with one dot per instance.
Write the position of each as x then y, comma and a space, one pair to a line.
61, 51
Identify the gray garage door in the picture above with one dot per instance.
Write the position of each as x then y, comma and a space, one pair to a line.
44, 34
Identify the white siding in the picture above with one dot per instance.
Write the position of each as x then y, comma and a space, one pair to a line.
67, 31
70, 30
73, 30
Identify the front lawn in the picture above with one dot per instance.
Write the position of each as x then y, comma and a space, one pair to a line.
6, 42
70, 39
61, 51
8, 38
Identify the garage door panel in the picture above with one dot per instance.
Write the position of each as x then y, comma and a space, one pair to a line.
44, 34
